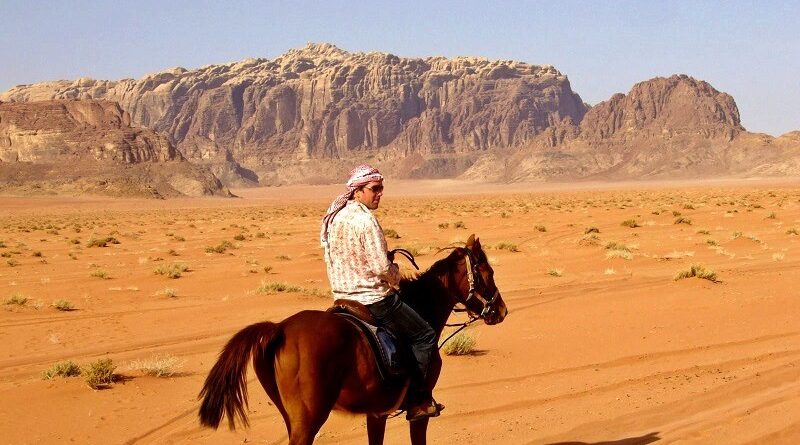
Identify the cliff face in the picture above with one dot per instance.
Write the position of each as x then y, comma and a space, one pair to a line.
675, 127
322, 103
309, 115
59, 145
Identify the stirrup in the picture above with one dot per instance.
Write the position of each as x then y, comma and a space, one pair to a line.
423, 411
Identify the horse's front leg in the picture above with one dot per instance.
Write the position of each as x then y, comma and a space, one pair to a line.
376, 427
419, 431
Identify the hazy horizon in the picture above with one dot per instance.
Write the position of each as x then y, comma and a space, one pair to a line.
742, 48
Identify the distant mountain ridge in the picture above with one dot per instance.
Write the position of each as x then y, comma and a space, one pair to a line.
310, 114
77, 147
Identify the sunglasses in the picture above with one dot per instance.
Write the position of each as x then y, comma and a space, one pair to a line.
375, 188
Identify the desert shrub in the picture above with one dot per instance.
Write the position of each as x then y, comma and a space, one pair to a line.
703, 232
159, 365
630, 223
37, 253
461, 344
772, 216
99, 374
61, 369
444, 225
102, 242
271, 287
63, 305
459, 225
391, 233
711, 242
12, 262
697, 271
267, 269
615, 245
99, 273
590, 239
220, 248
507, 246
173, 270
2, 245
179, 238
618, 253
592, 229
75, 241
283, 257
540, 228
555, 272
793, 231
16, 299
168, 292
682, 220
239, 237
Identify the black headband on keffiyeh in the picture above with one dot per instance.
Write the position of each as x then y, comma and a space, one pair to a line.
359, 176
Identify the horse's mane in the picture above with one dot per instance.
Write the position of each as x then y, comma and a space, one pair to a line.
412, 277
422, 290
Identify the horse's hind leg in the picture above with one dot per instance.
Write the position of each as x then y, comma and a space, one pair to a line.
306, 414
376, 427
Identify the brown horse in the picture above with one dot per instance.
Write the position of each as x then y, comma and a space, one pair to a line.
314, 361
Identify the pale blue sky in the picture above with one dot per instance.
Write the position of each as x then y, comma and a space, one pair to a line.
749, 49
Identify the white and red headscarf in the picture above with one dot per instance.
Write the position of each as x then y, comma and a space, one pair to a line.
359, 176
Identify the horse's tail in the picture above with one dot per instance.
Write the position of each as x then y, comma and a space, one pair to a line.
226, 385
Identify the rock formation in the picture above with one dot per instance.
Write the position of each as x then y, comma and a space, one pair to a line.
310, 114
301, 112
79, 146
676, 127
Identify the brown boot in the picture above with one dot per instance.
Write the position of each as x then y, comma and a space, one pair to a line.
428, 408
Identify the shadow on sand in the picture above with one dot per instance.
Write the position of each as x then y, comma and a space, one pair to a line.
641, 440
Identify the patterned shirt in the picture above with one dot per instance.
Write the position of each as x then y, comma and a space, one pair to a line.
358, 268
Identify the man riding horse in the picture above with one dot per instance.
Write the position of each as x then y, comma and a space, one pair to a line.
360, 269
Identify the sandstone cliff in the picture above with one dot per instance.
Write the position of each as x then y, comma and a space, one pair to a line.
308, 115
676, 127
296, 115
79, 146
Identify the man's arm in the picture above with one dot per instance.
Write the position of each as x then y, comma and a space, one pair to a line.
377, 260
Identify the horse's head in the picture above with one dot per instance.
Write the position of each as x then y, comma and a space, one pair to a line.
480, 295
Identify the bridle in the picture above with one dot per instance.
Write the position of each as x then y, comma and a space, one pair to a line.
473, 278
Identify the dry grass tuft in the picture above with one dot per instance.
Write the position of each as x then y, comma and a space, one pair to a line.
99, 374
63, 305
17, 299
461, 344
173, 271
62, 369
697, 271
159, 365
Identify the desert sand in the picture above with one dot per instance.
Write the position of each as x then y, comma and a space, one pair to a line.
601, 345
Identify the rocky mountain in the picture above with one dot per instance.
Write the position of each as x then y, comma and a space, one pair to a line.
310, 114
313, 111
676, 127
84, 146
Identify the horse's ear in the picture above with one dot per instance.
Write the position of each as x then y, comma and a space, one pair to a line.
471, 241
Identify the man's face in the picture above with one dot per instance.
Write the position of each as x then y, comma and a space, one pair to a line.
370, 194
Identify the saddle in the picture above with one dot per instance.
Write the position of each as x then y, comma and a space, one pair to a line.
389, 352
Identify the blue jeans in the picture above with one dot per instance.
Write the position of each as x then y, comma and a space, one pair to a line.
408, 326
